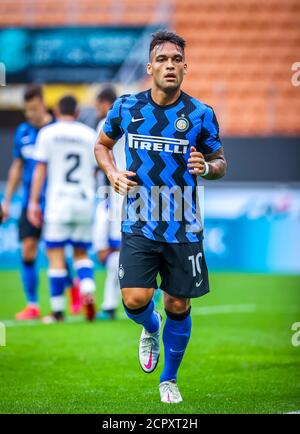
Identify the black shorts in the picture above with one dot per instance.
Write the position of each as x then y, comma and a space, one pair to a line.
26, 229
182, 266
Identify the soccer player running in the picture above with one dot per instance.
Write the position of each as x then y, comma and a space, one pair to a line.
172, 140
22, 166
64, 153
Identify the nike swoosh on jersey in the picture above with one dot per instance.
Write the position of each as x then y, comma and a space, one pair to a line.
136, 120
199, 283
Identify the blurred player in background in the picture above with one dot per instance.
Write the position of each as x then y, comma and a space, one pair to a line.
104, 100
22, 166
64, 155
107, 241
171, 140
107, 227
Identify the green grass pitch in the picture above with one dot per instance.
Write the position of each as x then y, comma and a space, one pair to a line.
240, 358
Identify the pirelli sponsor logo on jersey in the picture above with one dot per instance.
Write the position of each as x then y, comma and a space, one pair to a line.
158, 144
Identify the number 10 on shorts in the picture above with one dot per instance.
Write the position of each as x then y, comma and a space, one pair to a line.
196, 265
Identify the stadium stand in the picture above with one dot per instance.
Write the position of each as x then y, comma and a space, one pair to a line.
240, 60
240, 53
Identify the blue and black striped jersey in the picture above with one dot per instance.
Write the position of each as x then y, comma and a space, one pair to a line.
165, 205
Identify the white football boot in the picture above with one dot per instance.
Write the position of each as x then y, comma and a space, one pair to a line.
149, 348
169, 392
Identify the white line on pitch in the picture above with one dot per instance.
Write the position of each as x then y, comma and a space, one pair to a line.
224, 309
207, 310
28, 323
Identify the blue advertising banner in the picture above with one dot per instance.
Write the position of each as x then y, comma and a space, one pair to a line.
253, 229
68, 54
260, 246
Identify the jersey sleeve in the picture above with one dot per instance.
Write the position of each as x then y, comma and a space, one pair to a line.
41, 153
209, 140
17, 143
112, 126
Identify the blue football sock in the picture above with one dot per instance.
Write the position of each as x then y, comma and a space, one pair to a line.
176, 336
57, 283
145, 316
30, 281
84, 269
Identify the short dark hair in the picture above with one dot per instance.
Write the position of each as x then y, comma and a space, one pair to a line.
67, 105
33, 91
108, 93
162, 36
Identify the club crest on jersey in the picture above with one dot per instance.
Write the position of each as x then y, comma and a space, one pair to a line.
181, 124
158, 144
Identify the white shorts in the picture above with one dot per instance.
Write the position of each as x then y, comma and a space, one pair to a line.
107, 226
60, 234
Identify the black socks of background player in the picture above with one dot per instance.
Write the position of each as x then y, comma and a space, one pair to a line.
30, 281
